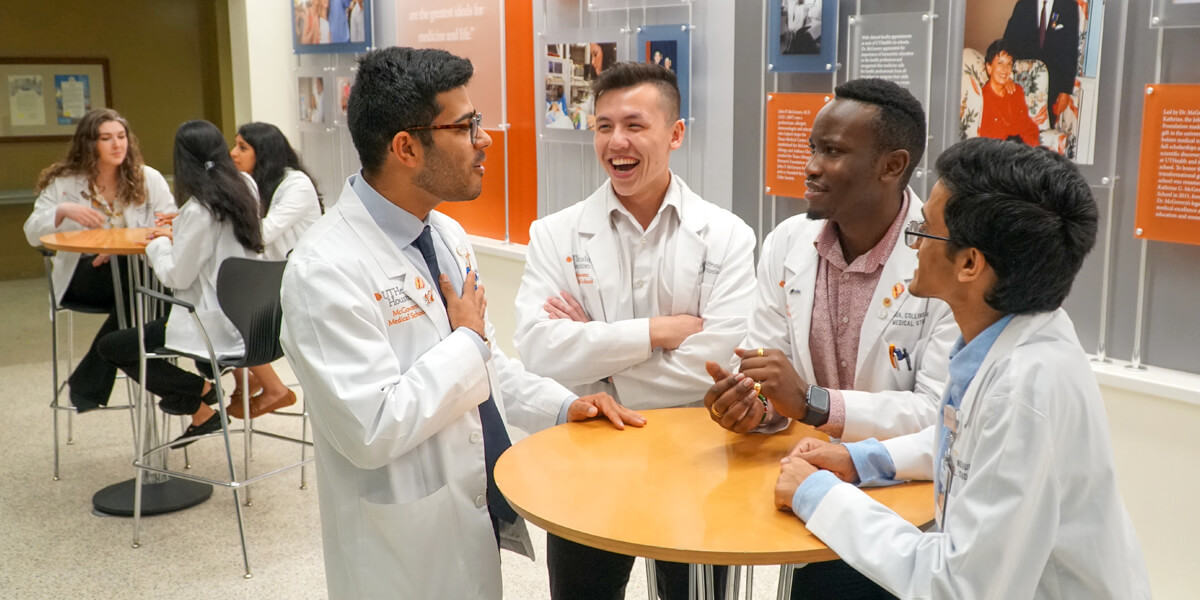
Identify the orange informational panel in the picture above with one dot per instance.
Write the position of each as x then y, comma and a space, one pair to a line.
789, 123
1168, 200
484, 216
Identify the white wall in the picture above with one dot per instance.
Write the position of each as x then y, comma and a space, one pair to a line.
264, 67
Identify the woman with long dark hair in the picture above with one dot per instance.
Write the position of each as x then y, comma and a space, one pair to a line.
218, 219
290, 205
101, 183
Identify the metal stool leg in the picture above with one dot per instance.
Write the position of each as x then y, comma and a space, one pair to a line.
54, 378
70, 365
709, 580
732, 582
187, 460
247, 431
749, 583
303, 438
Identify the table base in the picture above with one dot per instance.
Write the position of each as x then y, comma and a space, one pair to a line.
157, 498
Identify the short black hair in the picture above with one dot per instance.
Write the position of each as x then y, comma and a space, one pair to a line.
995, 48
900, 124
1028, 210
395, 89
624, 75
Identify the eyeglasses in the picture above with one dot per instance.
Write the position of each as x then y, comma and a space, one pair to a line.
915, 230
474, 123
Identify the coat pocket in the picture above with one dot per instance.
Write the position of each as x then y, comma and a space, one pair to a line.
413, 549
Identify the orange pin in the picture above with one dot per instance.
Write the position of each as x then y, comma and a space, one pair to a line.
897, 290
420, 283
887, 301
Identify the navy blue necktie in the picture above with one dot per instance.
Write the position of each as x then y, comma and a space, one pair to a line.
495, 436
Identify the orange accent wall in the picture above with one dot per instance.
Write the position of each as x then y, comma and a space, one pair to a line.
485, 215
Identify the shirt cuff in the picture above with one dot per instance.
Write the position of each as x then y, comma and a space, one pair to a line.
872, 461
566, 405
811, 492
484, 351
837, 415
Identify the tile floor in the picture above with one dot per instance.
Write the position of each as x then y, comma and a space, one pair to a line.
53, 546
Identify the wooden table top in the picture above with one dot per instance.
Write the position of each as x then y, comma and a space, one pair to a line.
122, 241
681, 489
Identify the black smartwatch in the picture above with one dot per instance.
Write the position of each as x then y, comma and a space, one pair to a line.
818, 406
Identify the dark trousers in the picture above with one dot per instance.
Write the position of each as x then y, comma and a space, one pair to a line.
579, 572
91, 288
834, 580
163, 379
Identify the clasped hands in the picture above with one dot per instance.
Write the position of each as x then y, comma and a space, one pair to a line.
733, 402
808, 456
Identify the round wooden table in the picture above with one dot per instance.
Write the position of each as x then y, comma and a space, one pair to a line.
160, 494
680, 489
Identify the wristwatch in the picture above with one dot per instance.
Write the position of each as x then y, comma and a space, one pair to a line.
818, 406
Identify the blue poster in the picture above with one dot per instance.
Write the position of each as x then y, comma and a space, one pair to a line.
668, 46
72, 97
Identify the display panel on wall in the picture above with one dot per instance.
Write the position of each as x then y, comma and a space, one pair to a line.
789, 124
1168, 199
331, 26
314, 97
1175, 13
46, 97
571, 67
470, 30
668, 47
1030, 73
802, 36
895, 47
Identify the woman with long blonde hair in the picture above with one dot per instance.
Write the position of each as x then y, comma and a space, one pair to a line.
101, 183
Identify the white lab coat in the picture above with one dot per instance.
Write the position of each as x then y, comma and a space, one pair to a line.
393, 395
1033, 511
576, 250
294, 208
70, 188
886, 401
189, 265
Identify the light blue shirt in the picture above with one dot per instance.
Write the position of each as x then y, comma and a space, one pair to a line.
402, 228
871, 458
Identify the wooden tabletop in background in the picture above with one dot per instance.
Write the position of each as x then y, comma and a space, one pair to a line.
99, 241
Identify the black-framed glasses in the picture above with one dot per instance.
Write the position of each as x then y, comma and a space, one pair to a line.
915, 231
474, 123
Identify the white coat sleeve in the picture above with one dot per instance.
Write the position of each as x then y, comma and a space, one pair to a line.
158, 194
681, 371
572, 353
177, 262
41, 220
365, 403
886, 414
531, 402
294, 199
995, 540
912, 454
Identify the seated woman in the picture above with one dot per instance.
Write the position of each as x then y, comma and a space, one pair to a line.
290, 204
102, 183
1005, 114
218, 219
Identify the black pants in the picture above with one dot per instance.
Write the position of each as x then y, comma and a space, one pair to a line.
579, 572
163, 379
92, 288
834, 580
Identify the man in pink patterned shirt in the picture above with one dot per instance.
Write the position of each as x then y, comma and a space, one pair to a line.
835, 339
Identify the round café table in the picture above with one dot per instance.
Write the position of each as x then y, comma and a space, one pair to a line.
680, 489
160, 493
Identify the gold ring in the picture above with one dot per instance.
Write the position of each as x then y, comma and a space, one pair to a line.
757, 387
716, 413
760, 352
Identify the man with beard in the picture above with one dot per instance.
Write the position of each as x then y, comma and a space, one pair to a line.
386, 328
836, 340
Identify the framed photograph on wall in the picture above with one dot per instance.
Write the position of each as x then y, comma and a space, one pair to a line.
570, 68
802, 36
331, 26
314, 98
668, 47
44, 98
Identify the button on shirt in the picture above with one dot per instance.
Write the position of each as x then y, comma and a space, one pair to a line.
841, 298
645, 255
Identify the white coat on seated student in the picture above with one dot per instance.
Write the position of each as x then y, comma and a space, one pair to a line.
290, 203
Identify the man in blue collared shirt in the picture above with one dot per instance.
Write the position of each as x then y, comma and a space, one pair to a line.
1026, 501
